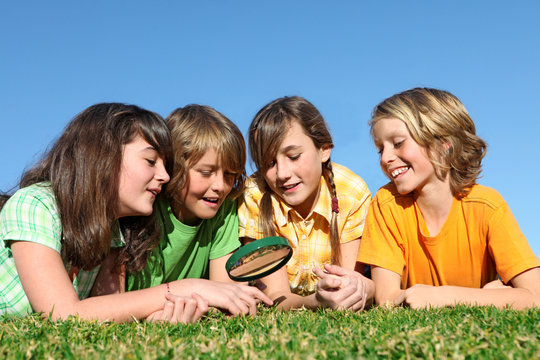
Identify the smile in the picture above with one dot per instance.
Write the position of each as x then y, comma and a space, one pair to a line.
399, 171
211, 200
288, 188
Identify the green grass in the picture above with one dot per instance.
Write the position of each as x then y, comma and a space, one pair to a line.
461, 333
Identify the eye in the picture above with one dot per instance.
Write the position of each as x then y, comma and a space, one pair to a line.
398, 144
294, 157
271, 164
151, 162
205, 172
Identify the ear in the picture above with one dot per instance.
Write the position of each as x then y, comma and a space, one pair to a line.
326, 151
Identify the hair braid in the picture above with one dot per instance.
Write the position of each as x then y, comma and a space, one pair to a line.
334, 233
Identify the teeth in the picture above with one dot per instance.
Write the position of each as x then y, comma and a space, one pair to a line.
399, 171
289, 186
153, 192
215, 201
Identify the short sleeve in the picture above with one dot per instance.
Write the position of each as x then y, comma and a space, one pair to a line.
380, 243
225, 238
31, 215
508, 246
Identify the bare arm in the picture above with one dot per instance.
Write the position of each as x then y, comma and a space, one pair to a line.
217, 269
50, 291
524, 294
387, 286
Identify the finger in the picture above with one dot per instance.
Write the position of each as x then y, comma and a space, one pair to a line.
179, 309
202, 306
253, 292
190, 309
328, 283
167, 312
336, 270
321, 274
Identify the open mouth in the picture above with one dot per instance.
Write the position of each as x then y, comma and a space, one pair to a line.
396, 172
289, 187
211, 200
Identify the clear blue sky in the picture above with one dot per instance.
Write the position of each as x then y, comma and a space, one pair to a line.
57, 58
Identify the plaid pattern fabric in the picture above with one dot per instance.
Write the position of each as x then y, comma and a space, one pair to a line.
31, 215
310, 237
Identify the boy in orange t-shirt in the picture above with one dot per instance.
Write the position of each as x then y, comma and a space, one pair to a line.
433, 236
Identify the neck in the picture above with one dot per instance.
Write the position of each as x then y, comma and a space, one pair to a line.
180, 213
435, 202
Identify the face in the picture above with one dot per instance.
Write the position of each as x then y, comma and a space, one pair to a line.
208, 185
295, 173
402, 160
142, 175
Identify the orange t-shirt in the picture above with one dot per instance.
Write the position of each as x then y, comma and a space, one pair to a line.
479, 240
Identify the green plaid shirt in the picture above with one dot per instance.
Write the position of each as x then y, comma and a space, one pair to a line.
31, 214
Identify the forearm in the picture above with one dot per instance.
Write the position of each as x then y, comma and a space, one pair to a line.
517, 298
115, 307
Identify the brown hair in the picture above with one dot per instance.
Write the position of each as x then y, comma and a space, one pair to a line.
439, 122
84, 162
266, 133
195, 129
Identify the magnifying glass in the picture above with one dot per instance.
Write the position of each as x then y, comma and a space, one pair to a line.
258, 259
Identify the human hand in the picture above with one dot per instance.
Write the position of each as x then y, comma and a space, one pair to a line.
340, 288
235, 298
180, 309
422, 296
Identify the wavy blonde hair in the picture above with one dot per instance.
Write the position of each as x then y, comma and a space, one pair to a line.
195, 129
439, 122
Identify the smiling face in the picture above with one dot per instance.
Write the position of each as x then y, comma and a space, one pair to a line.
404, 161
295, 173
142, 175
208, 184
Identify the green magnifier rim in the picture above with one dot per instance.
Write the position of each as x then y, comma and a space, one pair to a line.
251, 247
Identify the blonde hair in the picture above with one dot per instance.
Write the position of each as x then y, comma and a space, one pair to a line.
439, 122
266, 133
195, 129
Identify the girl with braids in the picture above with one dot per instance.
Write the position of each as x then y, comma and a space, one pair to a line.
87, 205
318, 206
434, 237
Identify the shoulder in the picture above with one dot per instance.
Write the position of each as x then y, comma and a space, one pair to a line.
349, 183
36, 195
252, 190
484, 195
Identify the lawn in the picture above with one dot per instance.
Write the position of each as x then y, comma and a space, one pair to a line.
462, 332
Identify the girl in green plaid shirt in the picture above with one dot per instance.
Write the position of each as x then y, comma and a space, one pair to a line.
88, 205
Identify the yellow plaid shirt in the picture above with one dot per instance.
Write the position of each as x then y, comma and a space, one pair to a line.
310, 237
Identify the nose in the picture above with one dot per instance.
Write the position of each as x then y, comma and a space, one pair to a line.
161, 173
387, 156
219, 182
283, 171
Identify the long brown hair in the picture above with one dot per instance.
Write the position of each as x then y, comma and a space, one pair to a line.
83, 168
439, 122
266, 133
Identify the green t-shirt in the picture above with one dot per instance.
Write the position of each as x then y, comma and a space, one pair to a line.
185, 251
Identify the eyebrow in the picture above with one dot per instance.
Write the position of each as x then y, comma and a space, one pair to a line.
290, 147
